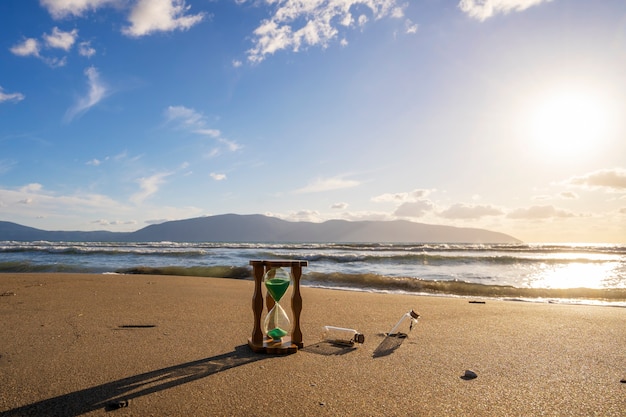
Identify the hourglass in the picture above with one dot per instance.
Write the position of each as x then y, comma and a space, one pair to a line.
276, 324
278, 334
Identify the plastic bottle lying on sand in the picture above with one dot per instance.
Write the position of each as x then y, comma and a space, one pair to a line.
341, 336
404, 325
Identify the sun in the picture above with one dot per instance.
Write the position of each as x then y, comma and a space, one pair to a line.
568, 123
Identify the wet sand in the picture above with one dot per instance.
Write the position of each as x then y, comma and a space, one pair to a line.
141, 345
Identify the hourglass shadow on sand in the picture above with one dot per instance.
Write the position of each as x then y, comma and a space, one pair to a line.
111, 395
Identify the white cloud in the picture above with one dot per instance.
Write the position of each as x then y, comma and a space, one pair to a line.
10, 96
31, 188
218, 177
401, 197
297, 24
85, 49
484, 9
145, 17
149, 186
97, 91
64, 8
29, 47
32, 47
608, 179
410, 27
327, 184
71, 210
305, 216
464, 211
149, 16
339, 206
104, 222
61, 40
37, 198
414, 208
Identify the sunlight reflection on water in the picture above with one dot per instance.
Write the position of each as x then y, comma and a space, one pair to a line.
575, 275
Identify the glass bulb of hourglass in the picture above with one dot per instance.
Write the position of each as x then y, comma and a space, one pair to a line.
277, 324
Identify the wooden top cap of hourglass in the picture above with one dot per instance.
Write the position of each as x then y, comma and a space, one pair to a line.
284, 263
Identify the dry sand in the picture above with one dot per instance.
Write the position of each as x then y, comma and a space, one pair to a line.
74, 344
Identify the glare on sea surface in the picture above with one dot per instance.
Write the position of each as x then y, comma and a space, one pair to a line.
574, 275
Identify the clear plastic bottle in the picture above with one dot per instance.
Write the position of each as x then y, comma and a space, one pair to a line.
341, 336
404, 325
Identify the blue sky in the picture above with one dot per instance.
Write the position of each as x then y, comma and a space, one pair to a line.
500, 114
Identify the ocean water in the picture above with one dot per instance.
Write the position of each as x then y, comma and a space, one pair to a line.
579, 273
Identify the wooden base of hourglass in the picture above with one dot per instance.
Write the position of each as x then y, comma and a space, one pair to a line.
290, 343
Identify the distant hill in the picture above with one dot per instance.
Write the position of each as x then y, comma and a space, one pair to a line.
259, 228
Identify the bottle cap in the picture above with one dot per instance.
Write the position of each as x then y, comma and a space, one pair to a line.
359, 338
414, 314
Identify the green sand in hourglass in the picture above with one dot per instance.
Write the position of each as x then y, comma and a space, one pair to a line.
277, 320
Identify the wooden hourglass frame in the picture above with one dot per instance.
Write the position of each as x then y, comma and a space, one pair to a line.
259, 342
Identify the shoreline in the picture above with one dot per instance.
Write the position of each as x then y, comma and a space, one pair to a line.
74, 344
615, 297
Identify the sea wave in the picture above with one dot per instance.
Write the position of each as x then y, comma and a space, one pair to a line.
359, 282
503, 270
196, 271
166, 246
383, 283
26, 266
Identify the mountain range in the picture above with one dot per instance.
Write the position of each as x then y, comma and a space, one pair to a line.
259, 228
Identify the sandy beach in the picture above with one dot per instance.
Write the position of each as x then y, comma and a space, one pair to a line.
142, 345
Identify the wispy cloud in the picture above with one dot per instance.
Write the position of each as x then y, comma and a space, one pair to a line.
96, 92
327, 184
484, 9
149, 16
149, 186
402, 197
6, 165
298, 24
14, 97
196, 122
33, 199
186, 117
